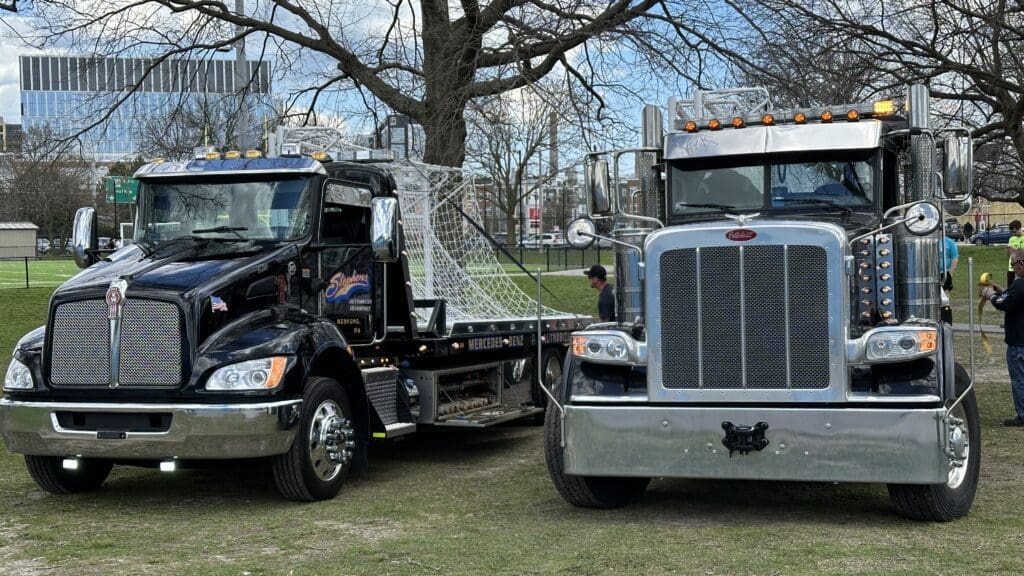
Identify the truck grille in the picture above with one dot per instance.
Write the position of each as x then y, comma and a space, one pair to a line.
151, 351
751, 317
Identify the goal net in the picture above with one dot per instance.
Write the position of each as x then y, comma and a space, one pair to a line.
448, 257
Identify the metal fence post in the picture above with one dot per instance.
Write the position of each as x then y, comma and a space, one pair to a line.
26, 271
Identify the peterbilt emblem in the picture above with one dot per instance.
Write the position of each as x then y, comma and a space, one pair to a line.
741, 234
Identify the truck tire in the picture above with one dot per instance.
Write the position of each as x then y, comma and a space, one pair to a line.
979, 242
585, 491
320, 458
50, 475
949, 501
551, 369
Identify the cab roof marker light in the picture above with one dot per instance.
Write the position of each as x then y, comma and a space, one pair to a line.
826, 116
853, 115
738, 122
253, 154
690, 126
800, 118
202, 152
768, 119
232, 155
714, 124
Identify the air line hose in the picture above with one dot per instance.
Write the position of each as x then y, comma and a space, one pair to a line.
984, 280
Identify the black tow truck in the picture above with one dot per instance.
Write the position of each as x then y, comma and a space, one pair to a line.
264, 310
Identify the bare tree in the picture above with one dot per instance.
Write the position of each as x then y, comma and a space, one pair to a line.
509, 136
44, 188
968, 52
426, 60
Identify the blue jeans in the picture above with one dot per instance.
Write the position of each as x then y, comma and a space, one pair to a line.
1015, 362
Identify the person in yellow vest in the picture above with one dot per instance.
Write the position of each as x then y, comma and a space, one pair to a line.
1016, 241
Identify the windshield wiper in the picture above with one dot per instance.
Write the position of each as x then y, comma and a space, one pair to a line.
722, 207
236, 230
821, 202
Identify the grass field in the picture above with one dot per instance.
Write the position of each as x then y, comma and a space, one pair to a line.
480, 502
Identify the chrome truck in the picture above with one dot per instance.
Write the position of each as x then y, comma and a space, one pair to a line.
778, 295
267, 309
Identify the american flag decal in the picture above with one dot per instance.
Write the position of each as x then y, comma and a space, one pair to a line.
217, 305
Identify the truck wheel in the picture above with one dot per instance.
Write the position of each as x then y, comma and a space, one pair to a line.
50, 475
551, 371
320, 458
979, 242
585, 491
945, 502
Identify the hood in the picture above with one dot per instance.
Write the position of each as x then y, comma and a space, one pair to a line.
191, 267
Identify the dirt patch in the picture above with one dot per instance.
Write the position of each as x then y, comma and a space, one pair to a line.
11, 536
370, 533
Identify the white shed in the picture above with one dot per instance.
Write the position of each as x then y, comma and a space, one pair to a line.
18, 239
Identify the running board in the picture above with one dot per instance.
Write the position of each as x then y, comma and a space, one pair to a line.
396, 429
490, 417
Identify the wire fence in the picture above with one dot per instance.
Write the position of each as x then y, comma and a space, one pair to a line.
35, 272
553, 258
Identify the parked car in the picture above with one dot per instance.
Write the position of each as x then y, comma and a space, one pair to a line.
500, 238
552, 239
530, 241
42, 245
954, 231
998, 235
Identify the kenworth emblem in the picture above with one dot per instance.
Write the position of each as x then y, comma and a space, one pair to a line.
741, 234
115, 306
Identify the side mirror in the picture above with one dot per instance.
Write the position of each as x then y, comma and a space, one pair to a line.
957, 175
922, 219
384, 229
598, 189
580, 233
83, 237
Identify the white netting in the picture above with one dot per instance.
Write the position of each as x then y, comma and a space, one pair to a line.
448, 257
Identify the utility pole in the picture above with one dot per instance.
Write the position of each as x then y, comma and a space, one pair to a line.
242, 129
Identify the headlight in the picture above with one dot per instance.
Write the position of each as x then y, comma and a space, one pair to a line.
19, 377
261, 374
897, 344
607, 347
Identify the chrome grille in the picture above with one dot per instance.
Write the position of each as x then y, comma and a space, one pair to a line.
151, 349
80, 344
751, 317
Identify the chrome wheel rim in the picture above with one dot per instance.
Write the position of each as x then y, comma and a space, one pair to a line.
330, 439
958, 473
552, 372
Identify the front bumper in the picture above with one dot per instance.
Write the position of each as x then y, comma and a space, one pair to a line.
196, 431
808, 444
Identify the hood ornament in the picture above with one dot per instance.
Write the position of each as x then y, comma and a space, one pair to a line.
115, 308
741, 219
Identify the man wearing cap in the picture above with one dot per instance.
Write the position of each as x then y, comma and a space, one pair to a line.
606, 292
1016, 240
1011, 302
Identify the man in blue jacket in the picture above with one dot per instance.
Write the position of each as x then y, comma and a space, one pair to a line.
1011, 302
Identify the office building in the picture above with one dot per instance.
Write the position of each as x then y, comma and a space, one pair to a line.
67, 94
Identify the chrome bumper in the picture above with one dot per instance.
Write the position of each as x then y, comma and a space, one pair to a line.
196, 431
810, 444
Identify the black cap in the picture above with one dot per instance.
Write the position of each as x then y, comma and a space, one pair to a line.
596, 271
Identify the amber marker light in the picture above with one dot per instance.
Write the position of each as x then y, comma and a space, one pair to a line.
690, 126
884, 107
737, 122
768, 120
714, 124
800, 118
826, 116
853, 115
253, 154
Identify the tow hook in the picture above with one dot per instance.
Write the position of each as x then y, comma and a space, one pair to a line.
339, 439
744, 439
957, 450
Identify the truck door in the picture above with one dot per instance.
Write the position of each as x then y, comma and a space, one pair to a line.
354, 282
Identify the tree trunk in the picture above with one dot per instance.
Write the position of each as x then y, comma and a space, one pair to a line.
445, 131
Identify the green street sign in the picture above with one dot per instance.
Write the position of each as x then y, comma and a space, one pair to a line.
122, 190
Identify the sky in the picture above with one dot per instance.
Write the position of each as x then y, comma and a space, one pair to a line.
10, 96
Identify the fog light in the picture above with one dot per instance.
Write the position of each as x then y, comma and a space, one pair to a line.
168, 466
70, 464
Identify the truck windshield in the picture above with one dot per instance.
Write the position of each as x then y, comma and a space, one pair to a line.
826, 182
264, 210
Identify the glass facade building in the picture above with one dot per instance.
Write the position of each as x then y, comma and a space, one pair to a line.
68, 94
